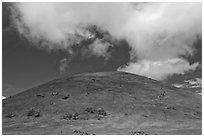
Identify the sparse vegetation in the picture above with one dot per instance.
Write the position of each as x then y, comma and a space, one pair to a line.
102, 112
170, 108
65, 97
40, 95
54, 93
138, 133
90, 110
74, 116
144, 115
67, 117
52, 103
82, 133
162, 94
34, 112
97, 113
93, 80
10, 115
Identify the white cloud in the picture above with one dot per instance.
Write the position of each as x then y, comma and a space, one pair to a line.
156, 32
100, 48
159, 69
164, 30
59, 23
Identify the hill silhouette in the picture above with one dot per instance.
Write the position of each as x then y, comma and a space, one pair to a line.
103, 103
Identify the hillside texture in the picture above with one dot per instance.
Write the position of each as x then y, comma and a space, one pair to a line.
103, 103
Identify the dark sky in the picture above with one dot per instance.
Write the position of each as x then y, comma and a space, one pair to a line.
24, 66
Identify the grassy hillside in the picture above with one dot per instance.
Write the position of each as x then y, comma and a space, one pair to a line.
103, 103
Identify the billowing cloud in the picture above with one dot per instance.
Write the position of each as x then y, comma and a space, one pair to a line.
159, 69
164, 30
157, 33
63, 24
100, 48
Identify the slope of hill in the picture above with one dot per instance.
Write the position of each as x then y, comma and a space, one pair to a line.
103, 103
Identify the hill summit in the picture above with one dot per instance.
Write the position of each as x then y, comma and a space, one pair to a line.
103, 103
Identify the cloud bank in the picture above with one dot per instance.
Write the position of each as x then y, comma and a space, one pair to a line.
157, 33
159, 69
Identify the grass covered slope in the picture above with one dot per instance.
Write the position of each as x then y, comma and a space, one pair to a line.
102, 103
